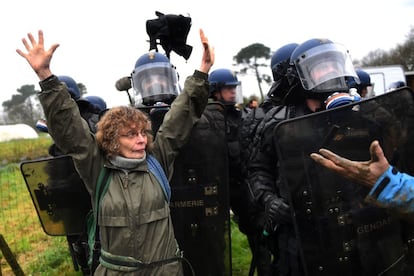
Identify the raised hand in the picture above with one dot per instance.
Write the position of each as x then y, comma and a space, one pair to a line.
208, 54
363, 172
38, 58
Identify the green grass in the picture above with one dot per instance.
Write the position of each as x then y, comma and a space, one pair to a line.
36, 252
55, 260
241, 255
24, 149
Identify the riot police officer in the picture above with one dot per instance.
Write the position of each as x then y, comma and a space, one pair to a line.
223, 89
252, 221
364, 87
203, 172
155, 84
316, 69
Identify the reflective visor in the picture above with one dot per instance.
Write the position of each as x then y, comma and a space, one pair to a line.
324, 63
157, 81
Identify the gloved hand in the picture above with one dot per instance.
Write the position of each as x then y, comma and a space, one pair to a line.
276, 211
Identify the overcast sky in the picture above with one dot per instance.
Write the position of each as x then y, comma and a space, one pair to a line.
101, 40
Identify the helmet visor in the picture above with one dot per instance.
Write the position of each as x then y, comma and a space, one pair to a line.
325, 66
155, 82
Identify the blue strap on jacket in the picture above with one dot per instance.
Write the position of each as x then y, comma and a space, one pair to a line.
155, 168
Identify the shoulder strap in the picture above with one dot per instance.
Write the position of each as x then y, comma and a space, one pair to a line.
155, 168
93, 229
101, 186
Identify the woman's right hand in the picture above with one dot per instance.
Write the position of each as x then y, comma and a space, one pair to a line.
38, 58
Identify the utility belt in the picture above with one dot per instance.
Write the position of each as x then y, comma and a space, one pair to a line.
129, 264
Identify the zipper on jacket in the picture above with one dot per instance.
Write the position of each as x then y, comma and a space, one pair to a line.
126, 180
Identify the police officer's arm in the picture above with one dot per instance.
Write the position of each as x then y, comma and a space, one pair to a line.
262, 178
261, 166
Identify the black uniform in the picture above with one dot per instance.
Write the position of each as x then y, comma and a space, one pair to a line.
200, 195
251, 217
264, 180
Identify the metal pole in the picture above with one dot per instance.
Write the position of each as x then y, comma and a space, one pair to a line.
8, 254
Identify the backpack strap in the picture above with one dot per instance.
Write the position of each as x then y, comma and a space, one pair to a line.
155, 168
93, 229
101, 185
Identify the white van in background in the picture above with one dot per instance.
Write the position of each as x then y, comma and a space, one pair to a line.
383, 76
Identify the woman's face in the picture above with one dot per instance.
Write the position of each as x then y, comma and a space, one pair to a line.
132, 142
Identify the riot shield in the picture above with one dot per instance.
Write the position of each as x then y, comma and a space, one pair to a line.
200, 200
338, 232
58, 194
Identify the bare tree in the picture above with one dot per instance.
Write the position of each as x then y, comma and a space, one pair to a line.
402, 54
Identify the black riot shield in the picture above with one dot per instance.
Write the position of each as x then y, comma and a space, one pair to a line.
58, 194
200, 200
339, 233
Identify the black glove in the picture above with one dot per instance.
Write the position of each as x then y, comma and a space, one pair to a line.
276, 211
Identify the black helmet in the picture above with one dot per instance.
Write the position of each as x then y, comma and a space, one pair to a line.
280, 60
323, 66
285, 86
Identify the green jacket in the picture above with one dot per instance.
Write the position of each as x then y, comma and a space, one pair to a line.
134, 217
